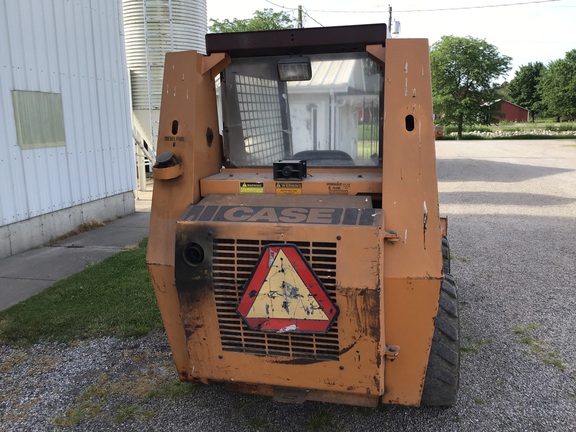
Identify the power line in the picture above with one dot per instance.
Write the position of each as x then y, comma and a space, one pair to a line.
432, 10
295, 9
307, 11
479, 7
309, 16
280, 6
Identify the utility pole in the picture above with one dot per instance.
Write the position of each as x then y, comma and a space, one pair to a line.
300, 16
389, 20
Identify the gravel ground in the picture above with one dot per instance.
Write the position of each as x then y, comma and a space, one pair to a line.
512, 210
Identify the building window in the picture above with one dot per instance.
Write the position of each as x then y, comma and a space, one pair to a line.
39, 119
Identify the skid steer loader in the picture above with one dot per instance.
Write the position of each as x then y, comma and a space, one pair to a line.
296, 248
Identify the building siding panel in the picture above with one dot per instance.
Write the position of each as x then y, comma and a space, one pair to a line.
75, 48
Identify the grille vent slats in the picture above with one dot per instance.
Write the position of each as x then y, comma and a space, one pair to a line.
233, 263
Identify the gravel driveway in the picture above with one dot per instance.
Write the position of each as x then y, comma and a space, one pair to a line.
512, 230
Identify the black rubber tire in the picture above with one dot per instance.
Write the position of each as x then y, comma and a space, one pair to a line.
443, 373
445, 256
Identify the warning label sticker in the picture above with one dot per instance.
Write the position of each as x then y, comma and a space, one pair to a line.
338, 188
289, 188
251, 188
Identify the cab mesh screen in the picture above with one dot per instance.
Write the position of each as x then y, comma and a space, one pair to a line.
260, 114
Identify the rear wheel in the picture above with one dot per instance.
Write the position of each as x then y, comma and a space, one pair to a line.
443, 372
445, 255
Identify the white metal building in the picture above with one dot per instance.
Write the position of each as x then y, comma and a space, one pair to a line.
66, 151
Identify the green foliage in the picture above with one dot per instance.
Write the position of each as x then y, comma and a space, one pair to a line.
265, 19
558, 87
113, 297
504, 90
172, 389
463, 75
524, 89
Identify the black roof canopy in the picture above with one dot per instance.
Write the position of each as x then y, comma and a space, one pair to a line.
297, 41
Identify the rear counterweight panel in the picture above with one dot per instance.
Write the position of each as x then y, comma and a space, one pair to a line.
348, 358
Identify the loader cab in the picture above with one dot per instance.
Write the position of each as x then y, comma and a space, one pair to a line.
322, 108
313, 97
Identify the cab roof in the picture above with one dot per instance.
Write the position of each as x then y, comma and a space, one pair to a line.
297, 41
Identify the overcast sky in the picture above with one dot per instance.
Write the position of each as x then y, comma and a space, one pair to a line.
526, 30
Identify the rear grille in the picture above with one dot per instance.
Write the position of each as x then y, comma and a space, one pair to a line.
233, 263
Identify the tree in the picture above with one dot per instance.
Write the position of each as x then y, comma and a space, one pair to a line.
504, 90
463, 75
524, 87
265, 19
558, 87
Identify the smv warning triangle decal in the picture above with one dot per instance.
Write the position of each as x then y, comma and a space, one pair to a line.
285, 295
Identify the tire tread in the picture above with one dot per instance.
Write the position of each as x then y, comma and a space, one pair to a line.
443, 372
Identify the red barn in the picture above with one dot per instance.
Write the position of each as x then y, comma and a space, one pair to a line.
512, 112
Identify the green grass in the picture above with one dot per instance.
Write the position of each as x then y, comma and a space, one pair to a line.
367, 143
113, 297
172, 389
128, 412
529, 126
100, 400
473, 346
515, 127
538, 347
323, 420
71, 417
259, 423
461, 259
368, 131
474, 137
88, 406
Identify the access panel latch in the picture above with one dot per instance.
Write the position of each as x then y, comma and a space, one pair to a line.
290, 170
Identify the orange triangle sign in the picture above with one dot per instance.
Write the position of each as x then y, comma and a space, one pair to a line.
284, 294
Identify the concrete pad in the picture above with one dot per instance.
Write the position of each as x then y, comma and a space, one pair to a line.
49, 263
106, 237
36, 231
135, 220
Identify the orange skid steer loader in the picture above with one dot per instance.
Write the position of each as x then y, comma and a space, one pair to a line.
296, 248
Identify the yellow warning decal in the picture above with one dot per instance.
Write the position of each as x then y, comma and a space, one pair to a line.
285, 295
251, 188
289, 188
